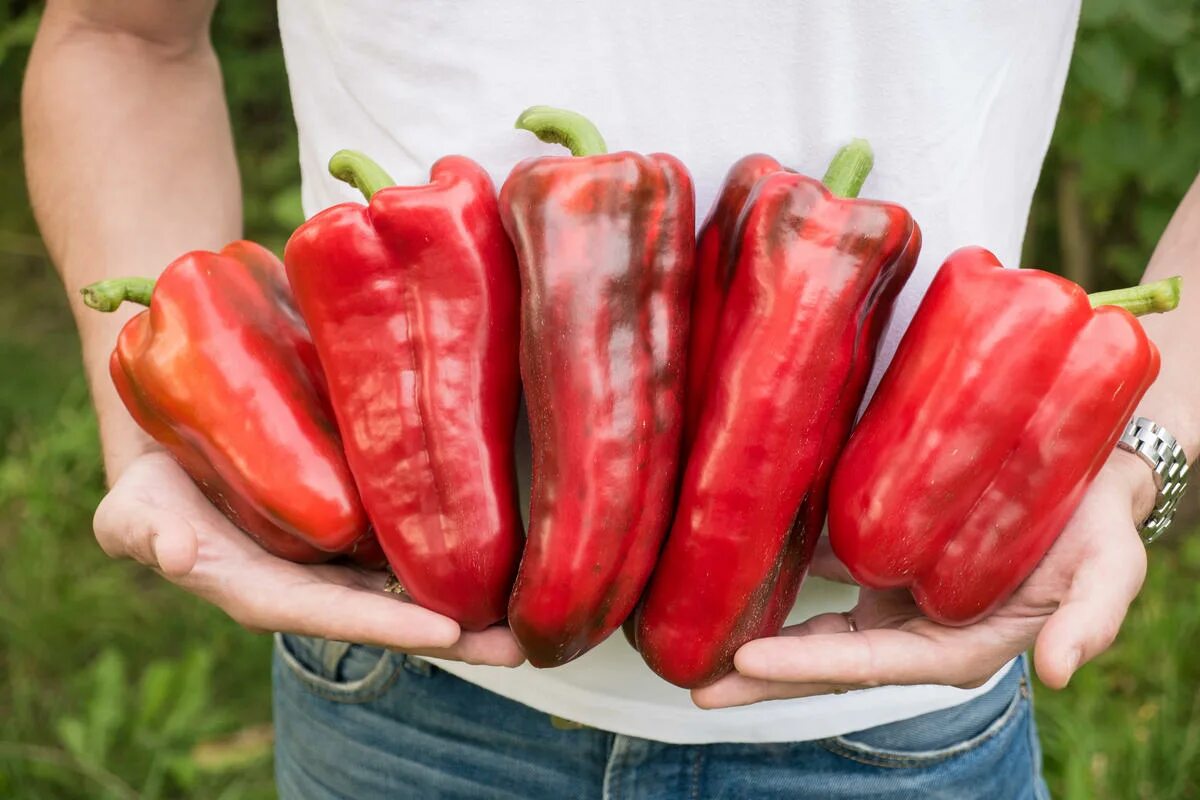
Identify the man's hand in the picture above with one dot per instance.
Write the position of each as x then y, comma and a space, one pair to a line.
156, 515
1072, 606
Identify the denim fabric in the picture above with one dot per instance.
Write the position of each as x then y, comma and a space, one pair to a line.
358, 722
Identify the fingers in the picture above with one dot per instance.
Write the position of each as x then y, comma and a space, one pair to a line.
732, 690
952, 657
823, 656
738, 690
332, 611
495, 647
1087, 622
158, 539
822, 623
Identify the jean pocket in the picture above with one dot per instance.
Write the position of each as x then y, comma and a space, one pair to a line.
940, 735
338, 671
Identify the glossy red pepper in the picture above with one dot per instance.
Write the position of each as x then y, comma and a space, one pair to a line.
814, 277
413, 305
220, 370
605, 244
1006, 395
717, 249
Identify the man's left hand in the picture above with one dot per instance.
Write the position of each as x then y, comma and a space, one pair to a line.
1070, 609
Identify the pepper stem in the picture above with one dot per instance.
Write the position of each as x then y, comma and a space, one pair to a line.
359, 171
559, 126
108, 295
1148, 298
849, 169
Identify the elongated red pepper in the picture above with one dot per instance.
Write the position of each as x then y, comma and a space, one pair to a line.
1007, 393
717, 249
605, 244
221, 371
812, 287
413, 305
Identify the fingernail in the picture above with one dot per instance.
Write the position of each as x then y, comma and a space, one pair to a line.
1073, 659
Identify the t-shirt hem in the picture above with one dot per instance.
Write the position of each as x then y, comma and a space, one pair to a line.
772, 721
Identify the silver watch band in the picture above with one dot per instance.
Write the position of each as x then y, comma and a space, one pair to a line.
1169, 464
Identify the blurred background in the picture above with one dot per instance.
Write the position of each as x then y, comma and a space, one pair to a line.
115, 685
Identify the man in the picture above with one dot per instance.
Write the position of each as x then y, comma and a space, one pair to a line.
959, 99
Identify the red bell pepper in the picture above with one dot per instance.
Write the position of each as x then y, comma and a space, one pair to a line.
412, 302
815, 273
605, 244
221, 371
1006, 395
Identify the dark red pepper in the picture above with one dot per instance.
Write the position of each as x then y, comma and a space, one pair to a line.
413, 305
220, 370
814, 277
605, 245
1005, 397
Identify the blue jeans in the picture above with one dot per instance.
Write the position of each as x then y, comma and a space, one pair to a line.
358, 722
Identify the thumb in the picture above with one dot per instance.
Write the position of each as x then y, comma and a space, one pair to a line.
825, 564
151, 536
1088, 621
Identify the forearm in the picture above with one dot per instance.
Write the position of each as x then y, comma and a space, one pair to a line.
130, 162
1174, 399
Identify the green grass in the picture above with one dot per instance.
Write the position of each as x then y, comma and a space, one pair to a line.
117, 685
1128, 726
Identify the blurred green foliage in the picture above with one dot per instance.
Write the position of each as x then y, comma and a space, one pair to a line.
115, 685
247, 42
1127, 145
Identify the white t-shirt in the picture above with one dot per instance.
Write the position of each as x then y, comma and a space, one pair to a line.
957, 98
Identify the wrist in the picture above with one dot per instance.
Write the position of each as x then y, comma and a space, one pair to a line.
1138, 479
121, 440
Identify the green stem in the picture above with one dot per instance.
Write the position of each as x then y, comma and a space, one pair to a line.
1148, 298
849, 169
108, 295
359, 171
559, 126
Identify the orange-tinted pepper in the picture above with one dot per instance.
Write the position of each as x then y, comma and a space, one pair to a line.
220, 370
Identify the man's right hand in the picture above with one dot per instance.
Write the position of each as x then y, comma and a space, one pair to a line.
154, 514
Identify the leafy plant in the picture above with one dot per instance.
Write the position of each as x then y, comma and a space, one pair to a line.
1127, 145
157, 727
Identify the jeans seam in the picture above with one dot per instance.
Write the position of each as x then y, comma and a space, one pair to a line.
1035, 749
862, 755
330, 690
610, 789
697, 763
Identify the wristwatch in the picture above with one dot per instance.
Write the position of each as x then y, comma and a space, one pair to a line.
1169, 463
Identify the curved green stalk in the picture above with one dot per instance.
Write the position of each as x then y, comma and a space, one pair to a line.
108, 295
359, 171
559, 126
